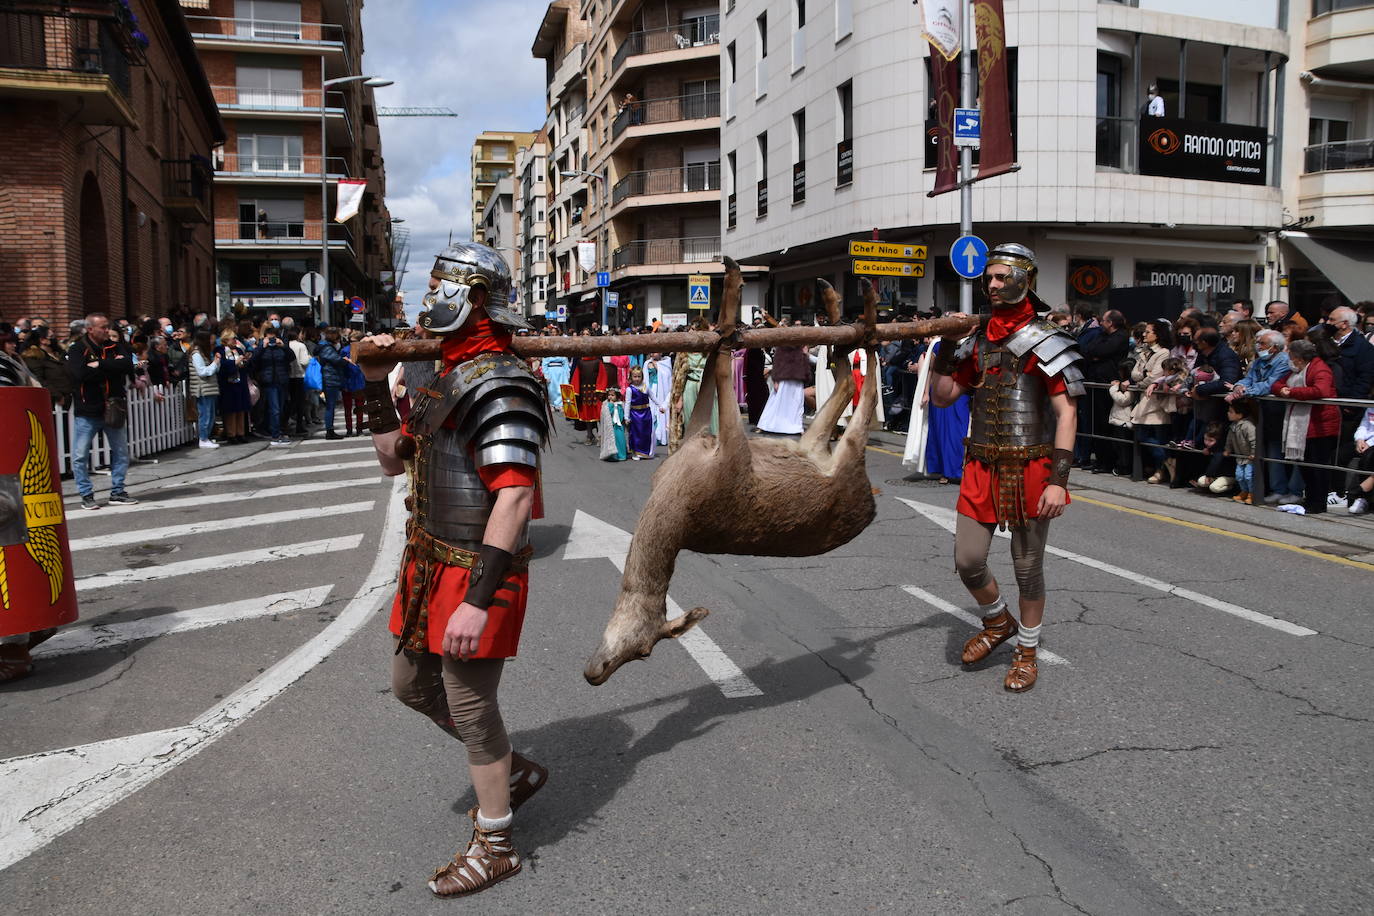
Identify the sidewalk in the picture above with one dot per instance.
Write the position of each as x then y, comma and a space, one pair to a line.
1334, 527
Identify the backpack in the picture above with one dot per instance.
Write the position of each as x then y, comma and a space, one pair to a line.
314, 376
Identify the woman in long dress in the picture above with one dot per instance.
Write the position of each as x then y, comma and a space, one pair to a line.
613, 440
557, 372
658, 375
783, 412
641, 417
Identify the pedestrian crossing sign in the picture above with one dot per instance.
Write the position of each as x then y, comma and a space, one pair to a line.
699, 291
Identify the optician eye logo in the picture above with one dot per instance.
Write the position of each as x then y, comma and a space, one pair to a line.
1164, 141
1089, 280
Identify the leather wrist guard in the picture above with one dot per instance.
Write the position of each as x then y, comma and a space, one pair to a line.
381, 410
1061, 460
486, 575
944, 363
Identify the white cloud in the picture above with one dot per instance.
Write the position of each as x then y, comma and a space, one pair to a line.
472, 57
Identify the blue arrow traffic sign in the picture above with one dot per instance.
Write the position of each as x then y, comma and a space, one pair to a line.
603, 278
968, 256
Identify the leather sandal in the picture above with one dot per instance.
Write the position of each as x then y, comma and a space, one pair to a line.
526, 778
14, 662
490, 857
1021, 676
996, 630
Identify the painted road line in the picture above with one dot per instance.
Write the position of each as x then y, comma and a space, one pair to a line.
972, 620
1249, 538
207, 499
945, 519
208, 526
288, 472
223, 561
108, 636
49, 793
293, 455
591, 538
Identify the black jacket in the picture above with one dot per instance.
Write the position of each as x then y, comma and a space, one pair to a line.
272, 364
1357, 367
1103, 353
94, 384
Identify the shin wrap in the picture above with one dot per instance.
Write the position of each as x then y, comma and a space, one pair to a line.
381, 410
487, 575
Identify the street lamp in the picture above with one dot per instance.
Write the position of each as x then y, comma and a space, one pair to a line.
584, 173
375, 82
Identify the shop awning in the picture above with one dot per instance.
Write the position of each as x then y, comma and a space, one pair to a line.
1349, 265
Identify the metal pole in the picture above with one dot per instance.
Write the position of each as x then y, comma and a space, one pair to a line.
324, 207
967, 100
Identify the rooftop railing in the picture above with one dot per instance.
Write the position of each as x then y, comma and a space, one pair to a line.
693, 33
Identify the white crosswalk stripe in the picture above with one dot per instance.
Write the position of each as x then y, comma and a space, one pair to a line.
187, 502
294, 455
286, 472
972, 620
207, 526
224, 561
108, 636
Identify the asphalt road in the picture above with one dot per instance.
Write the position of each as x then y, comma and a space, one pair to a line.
1201, 746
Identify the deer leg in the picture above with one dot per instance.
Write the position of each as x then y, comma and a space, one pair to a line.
816, 440
706, 396
851, 446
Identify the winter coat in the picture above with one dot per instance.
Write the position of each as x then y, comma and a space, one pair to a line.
1122, 403
178, 361
272, 364
1264, 371
1326, 418
51, 372
1103, 353
1240, 440
1150, 410
94, 384
331, 365
1357, 365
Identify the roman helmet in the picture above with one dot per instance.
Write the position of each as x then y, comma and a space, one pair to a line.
1021, 282
459, 268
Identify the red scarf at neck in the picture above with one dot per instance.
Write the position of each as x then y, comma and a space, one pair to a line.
484, 336
1006, 320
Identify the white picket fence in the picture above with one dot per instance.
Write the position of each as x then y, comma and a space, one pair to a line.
154, 426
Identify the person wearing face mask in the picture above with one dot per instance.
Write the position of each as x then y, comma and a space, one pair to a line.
1024, 375
1284, 483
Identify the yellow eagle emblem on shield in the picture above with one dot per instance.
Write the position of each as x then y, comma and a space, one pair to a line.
42, 512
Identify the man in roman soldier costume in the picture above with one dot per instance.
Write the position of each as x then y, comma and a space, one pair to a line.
472, 444
1024, 375
589, 380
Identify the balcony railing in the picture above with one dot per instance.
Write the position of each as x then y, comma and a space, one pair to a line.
266, 30
642, 252
1321, 7
694, 33
280, 166
1333, 157
662, 111
186, 188
276, 99
56, 40
699, 176
274, 232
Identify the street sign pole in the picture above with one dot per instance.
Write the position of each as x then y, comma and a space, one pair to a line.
967, 100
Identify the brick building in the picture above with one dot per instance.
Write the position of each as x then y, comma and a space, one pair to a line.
107, 124
287, 76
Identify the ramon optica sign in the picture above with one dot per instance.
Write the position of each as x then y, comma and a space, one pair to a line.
1174, 148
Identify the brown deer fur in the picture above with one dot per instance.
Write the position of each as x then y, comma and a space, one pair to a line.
730, 494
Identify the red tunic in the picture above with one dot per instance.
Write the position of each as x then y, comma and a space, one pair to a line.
976, 487
590, 391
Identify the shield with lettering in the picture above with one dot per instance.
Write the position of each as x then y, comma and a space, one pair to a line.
36, 587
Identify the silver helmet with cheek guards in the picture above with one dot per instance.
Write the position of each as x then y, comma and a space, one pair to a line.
1020, 282
459, 268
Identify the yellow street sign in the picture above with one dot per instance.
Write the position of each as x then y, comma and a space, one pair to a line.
889, 268
887, 250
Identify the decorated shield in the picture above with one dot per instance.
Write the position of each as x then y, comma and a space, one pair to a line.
569, 394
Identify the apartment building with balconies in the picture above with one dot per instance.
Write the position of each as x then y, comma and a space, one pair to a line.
107, 123
493, 158
293, 132
531, 261
829, 128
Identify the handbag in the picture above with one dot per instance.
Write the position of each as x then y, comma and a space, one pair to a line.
354, 380
116, 413
253, 392
314, 375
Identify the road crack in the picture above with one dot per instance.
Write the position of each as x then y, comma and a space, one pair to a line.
1024, 765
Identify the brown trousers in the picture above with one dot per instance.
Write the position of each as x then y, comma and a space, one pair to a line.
458, 696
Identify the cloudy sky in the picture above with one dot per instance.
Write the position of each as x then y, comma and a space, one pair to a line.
470, 56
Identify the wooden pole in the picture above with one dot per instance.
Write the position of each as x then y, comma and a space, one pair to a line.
850, 335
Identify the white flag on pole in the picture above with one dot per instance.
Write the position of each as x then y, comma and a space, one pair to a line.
586, 256
941, 25
350, 198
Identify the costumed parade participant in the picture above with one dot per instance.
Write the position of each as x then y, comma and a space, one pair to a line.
589, 381
1023, 373
640, 416
472, 443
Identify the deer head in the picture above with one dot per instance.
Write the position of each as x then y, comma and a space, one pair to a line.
639, 621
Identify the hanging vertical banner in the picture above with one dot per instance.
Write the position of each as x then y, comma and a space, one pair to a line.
989, 26
944, 88
940, 21
586, 255
350, 198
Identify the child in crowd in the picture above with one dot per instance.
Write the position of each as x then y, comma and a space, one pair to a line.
1175, 380
1240, 445
613, 444
1119, 417
641, 419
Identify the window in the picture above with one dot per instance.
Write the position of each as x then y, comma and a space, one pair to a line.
844, 126
700, 99
799, 156
762, 143
269, 153
798, 34
539, 253
844, 19
1110, 124
761, 56
271, 218
731, 207
730, 81
500, 152
269, 87
270, 20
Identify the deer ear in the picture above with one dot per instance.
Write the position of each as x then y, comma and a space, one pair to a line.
679, 625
